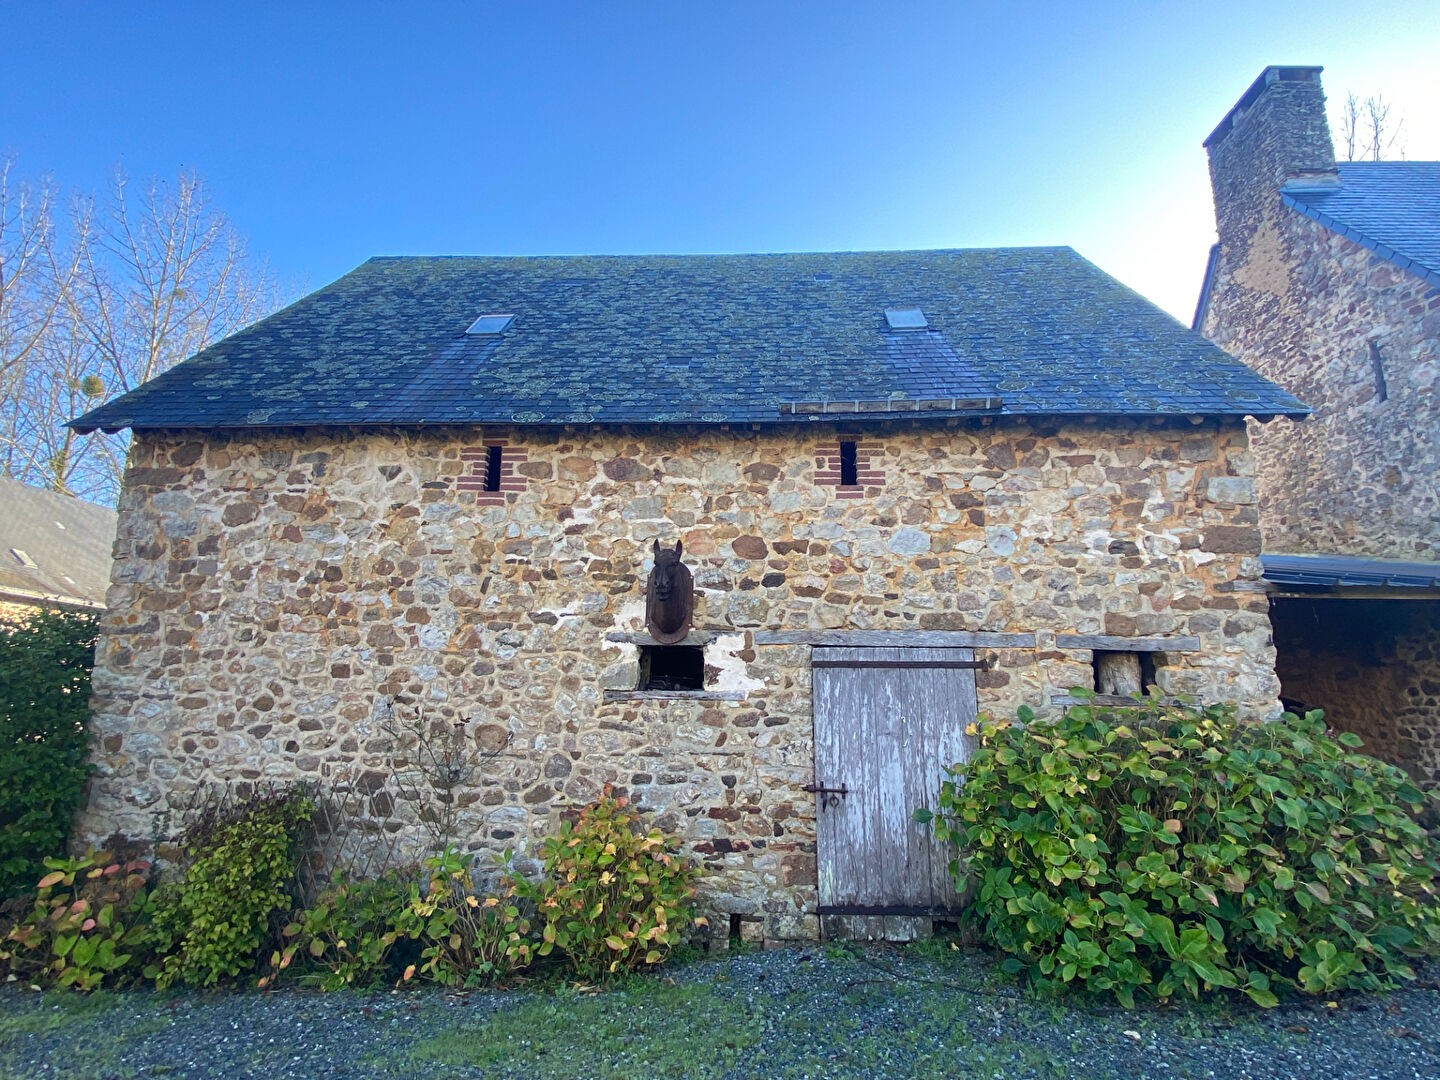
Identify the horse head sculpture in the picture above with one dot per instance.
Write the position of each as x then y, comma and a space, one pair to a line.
669, 597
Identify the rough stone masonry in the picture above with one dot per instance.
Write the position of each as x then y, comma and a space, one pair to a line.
1357, 337
273, 592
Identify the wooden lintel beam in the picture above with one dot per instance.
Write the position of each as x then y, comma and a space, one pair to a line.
674, 695
964, 639
703, 638
1116, 643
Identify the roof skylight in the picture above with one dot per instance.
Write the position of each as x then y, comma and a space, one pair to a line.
489, 325
908, 318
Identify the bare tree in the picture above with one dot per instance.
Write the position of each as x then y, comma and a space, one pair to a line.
137, 284
1365, 130
33, 281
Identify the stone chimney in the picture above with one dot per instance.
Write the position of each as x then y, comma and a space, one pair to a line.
1276, 134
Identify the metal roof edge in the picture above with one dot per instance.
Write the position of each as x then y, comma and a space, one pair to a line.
1354, 235
1333, 572
1212, 262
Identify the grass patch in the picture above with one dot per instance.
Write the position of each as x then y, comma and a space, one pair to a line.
645, 1027
58, 1011
84, 1035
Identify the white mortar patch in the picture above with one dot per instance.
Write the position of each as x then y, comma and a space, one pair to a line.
731, 670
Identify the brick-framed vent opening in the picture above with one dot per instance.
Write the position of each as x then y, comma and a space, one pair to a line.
490, 471
849, 465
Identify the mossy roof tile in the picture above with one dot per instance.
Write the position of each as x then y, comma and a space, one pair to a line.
595, 340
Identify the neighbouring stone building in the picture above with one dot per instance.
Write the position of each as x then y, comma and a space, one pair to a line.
1326, 279
908, 485
54, 551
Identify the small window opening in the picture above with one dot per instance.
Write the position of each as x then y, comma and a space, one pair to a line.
1377, 365
849, 472
735, 932
672, 667
23, 558
1123, 673
493, 459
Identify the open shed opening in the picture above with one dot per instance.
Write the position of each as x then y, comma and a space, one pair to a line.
1123, 673
672, 667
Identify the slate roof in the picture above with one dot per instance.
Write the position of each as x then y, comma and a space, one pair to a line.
1330, 572
67, 539
1390, 207
702, 339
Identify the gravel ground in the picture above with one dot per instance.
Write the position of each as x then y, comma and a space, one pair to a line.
801, 1013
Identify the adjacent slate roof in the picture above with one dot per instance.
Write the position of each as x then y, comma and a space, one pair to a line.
702, 339
1329, 572
67, 539
1390, 207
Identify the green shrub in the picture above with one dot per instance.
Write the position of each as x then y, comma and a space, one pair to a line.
361, 933
89, 925
1155, 849
239, 862
44, 701
349, 936
614, 898
466, 940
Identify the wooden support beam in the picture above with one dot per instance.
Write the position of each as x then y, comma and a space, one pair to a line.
693, 638
673, 695
964, 639
1107, 700
1115, 643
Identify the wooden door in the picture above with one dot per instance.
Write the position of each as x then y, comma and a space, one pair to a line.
887, 723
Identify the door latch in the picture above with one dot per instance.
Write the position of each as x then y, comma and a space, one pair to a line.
829, 796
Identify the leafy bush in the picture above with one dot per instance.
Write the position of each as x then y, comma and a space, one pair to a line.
359, 932
88, 927
467, 940
44, 700
239, 862
348, 938
614, 899
1154, 849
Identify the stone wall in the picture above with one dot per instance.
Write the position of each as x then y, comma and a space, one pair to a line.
1358, 340
274, 591
1348, 332
1373, 666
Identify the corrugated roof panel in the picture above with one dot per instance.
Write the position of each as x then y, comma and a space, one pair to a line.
1348, 571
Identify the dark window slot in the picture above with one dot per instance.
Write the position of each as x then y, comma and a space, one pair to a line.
849, 472
1377, 364
493, 455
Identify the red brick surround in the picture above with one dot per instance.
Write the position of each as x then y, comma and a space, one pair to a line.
476, 460
869, 478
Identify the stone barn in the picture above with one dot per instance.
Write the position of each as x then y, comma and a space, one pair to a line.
907, 485
1327, 280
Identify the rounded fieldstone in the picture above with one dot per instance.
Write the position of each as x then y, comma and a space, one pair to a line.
749, 547
624, 469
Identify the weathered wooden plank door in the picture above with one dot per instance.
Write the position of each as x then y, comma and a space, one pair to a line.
887, 722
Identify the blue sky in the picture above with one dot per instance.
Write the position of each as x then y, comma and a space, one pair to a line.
333, 133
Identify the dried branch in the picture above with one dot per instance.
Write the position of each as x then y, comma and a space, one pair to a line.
447, 760
1365, 131
137, 284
